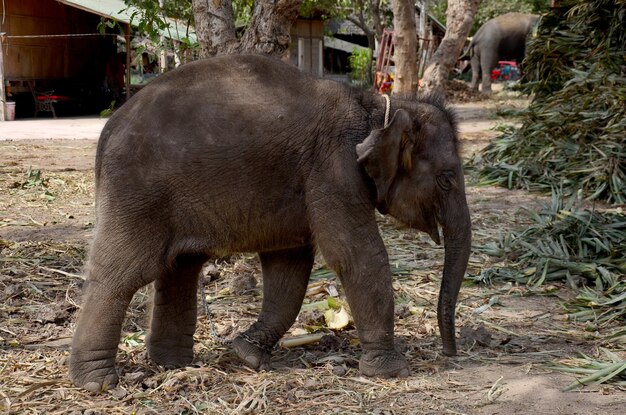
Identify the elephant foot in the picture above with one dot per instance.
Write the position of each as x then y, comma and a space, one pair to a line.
384, 364
95, 376
252, 353
170, 354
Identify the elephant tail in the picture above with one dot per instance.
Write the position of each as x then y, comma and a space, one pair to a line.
468, 52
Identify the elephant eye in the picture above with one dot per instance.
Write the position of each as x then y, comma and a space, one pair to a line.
446, 180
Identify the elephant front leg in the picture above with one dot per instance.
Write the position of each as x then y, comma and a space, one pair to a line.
370, 296
360, 260
285, 279
174, 314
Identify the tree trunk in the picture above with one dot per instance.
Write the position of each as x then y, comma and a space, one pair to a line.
405, 49
377, 35
215, 26
376, 18
460, 16
358, 17
268, 33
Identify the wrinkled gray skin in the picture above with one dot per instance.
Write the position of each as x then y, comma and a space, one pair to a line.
247, 154
501, 38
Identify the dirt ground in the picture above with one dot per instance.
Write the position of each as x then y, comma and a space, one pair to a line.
46, 224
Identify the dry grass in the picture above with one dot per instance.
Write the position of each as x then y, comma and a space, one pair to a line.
41, 281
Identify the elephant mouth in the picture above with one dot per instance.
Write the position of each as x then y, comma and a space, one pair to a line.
431, 228
434, 234
430, 225
424, 221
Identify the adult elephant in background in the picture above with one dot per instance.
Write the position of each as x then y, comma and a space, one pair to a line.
247, 154
501, 38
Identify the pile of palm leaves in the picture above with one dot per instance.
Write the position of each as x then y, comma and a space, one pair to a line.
573, 134
568, 243
585, 248
594, 371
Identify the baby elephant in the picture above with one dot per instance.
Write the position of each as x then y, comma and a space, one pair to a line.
247, 154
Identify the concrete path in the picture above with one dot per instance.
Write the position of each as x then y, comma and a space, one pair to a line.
48, 128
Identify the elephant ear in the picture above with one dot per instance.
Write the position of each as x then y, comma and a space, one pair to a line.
386, 150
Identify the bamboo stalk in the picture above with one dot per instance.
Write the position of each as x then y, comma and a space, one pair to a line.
301, 340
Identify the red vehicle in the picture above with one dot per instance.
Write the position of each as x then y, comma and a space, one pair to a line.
505, 71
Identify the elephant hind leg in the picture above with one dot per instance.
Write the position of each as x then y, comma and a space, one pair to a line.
285, 278
475, 63
174, 313
114, 275
486, 88
487, 64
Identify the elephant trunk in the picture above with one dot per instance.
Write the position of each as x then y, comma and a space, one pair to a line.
457, 241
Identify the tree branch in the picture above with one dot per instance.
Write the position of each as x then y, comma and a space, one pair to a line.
360, 25
268, 32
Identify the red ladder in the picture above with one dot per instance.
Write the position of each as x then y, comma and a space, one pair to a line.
383, 80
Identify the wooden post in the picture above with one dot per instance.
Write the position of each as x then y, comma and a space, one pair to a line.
424, 42
128, 51
423, 21
3, 98
162, 53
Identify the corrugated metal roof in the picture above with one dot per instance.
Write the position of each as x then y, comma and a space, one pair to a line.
334, 43
343, 27
115, 9
118, 10
441, 26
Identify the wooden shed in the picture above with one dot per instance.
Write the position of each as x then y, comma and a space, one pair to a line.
56, 46
307, 46
50, 46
